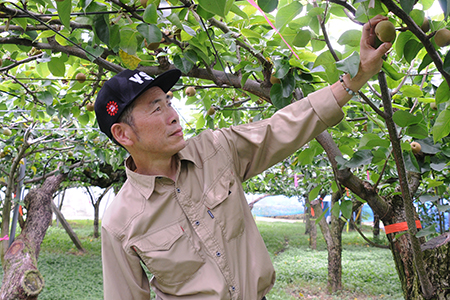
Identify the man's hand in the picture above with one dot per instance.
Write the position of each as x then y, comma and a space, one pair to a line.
371, 60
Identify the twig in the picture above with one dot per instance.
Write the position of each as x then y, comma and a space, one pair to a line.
365, 238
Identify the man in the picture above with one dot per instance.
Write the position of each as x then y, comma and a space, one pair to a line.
182, 211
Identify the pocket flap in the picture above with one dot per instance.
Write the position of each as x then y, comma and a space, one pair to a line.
160, 240
220, 190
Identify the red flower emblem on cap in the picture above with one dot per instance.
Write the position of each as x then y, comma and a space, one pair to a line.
112, 108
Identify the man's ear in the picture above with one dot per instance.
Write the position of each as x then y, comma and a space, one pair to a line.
121, 133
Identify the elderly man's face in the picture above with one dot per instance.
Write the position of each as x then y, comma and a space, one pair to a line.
156, 124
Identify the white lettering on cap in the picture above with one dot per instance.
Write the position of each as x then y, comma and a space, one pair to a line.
138, 78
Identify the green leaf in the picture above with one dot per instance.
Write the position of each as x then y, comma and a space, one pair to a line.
200, 122
83, 119
101, 27
57, 66
442, 208
407, 5
346, 208
150, 32
191, 55
371, 140
306, 157
268, 5
217, 7
287, 13
402, 39
442, 93
276, 95
321, 216
314, 193
391, 72
182, 63
411, 163
447, 62
128, 40
350, 64
151, 14
302, 38
288, 85
412, 47
114, 37
418, 131
282, 67
403, 118
238, 11
94, 51
336, 210
445, 5
411, 91
46, 97
350, 38
426, 231
425, 62
428, 198
441, 127
360, 158
175, 20
45, 34
64, 9
429, 147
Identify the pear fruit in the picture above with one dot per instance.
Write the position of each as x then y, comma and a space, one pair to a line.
433, 105
190, 91
170, 94
274, 80
144, 3
415, 147
442, 37
211, 111
425, 25
90, 106
80, 77
385, 31
7, 132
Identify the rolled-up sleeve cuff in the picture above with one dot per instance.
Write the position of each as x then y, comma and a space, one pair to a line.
326, 106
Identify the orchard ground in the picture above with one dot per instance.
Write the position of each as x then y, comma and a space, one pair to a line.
368, 272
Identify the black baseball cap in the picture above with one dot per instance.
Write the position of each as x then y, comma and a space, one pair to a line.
122, 89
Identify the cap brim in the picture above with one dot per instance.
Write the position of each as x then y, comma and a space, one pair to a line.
166, 80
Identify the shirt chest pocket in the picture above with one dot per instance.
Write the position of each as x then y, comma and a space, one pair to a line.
223, 203
169, 255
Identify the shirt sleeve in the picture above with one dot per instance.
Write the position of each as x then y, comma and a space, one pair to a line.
257, 146
123, 276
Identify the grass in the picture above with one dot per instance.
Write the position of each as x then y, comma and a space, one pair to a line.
368, 273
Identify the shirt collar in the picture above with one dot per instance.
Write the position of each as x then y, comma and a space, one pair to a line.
145, 184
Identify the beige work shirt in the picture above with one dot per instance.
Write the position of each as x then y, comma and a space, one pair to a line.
197, 235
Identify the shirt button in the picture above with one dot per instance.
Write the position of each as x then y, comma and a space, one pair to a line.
218, 254
178, 191
197, 223
233, 288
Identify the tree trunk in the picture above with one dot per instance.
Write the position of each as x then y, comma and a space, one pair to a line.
312, 234
376, 226
332, 235
436, 253
21, 278
402, 252
307, 220
96, 219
